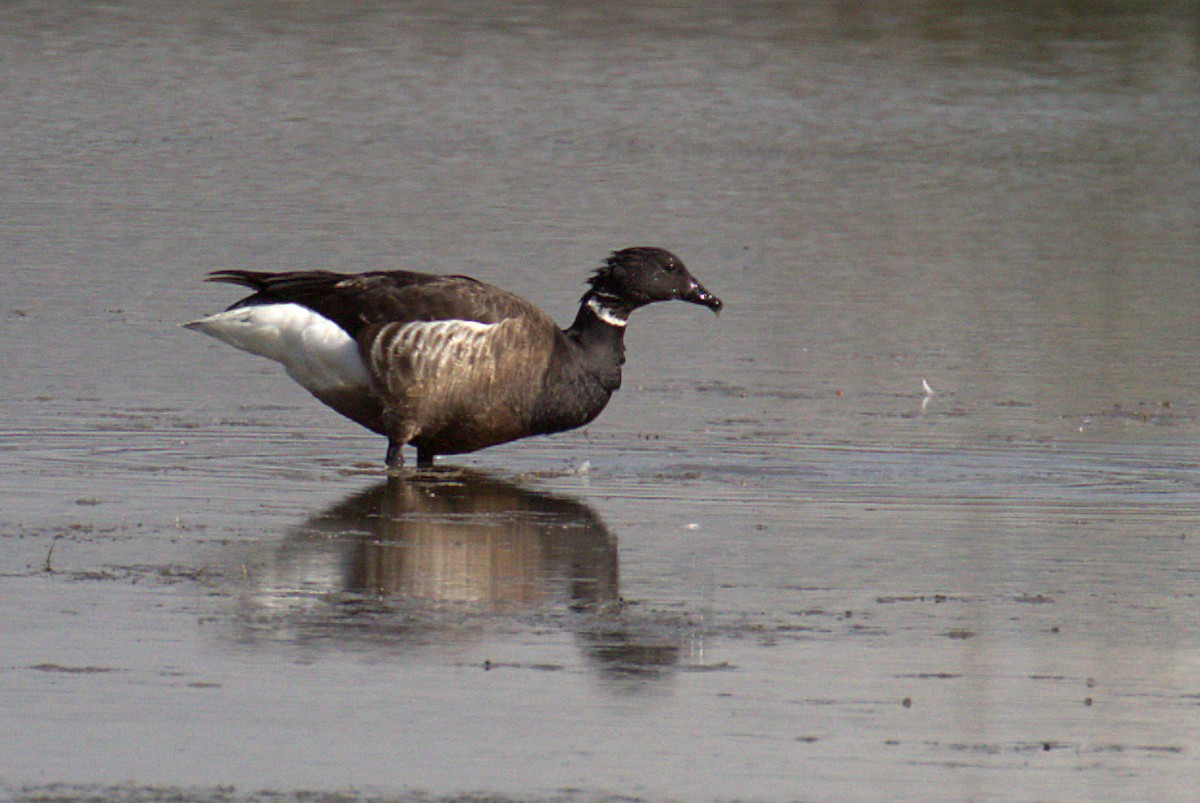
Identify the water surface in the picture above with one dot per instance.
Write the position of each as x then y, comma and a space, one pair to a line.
775, 568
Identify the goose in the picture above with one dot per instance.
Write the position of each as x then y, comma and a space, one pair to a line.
448, 363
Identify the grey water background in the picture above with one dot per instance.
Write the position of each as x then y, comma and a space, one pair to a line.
774, 568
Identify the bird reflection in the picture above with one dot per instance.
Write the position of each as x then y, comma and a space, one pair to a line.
457, 536
418, 557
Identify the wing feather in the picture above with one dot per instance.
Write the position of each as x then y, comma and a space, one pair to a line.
360, 301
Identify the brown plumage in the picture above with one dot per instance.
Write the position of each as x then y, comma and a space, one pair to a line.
448, 363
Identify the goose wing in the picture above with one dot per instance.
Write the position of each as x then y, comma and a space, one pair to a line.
358, 301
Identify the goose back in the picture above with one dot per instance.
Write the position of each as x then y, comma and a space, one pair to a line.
355, 301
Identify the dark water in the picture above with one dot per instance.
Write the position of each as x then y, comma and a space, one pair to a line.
775, 568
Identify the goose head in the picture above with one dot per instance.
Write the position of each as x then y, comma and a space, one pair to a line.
635, 277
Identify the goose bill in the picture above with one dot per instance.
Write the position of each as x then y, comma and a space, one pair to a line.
696, 294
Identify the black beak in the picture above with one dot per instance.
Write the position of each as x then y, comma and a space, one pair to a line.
696, 294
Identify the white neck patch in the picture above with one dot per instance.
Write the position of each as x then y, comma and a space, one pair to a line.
605, 314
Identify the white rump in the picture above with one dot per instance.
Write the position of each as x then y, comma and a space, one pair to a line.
316, 352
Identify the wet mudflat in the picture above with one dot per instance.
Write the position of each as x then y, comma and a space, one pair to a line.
776, 568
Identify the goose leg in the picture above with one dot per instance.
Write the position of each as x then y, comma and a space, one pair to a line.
395, 453
398, 434
424, 458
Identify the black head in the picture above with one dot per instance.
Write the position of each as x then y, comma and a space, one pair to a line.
634, 277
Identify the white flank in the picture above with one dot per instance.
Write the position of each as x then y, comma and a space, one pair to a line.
316, 352
604, 313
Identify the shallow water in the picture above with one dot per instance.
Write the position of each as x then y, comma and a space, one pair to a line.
775, 568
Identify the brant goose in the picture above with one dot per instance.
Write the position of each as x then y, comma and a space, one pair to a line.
447, 363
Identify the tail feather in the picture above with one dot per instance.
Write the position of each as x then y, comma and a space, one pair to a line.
254, 279
285, 286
